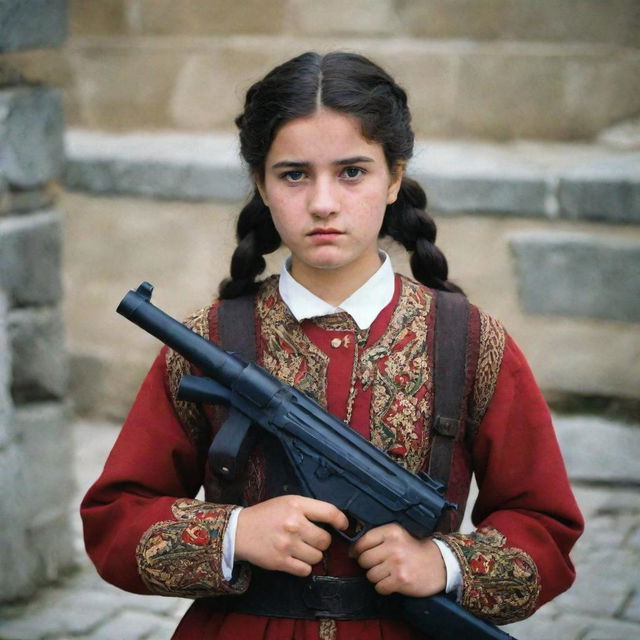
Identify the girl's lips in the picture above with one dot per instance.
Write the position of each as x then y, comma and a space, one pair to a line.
319, 236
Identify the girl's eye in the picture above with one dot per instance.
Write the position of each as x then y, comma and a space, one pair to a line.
353, 173
293, 176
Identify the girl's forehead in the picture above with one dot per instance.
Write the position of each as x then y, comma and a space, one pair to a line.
325, 134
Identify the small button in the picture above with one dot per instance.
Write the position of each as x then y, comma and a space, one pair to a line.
336, 342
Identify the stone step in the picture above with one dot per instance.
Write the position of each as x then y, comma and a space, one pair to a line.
589, 182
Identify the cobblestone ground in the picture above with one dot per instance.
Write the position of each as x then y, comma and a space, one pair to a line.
604, 604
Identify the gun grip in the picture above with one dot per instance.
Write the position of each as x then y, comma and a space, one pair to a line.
230, 447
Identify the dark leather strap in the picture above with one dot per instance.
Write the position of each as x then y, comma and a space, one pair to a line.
280, 595
236, 327
452, 320
230, 448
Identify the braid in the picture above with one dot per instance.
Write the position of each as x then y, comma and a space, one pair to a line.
407, 221
256, 237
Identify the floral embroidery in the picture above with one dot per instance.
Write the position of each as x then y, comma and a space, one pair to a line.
500, 583
287, 353
492, 343
188, 413
397, 367
183, 557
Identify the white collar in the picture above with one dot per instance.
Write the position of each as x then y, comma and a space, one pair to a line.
363, 305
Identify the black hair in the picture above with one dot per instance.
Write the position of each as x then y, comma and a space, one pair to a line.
351, 84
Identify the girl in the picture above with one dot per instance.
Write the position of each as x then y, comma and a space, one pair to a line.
327, 139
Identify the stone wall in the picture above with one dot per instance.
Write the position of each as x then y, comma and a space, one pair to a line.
35, 442
497, 69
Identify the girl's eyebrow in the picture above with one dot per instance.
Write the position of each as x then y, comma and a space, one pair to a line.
297, 164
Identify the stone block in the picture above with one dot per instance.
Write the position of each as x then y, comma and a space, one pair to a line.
120, 101
601, 195
510, 92
485, 194
614, 22
223, 17
17, 566
31, 258
32, 24
47, 455
336, 18
51, 540
464, 19
6, 422
39, 363
594, 592
164, 165
87, 17
31, 136
578, 275
610, 79
599, 450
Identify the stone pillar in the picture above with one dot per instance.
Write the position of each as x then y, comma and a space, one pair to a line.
35, 438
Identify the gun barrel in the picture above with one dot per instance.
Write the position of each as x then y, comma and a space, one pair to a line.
136, 306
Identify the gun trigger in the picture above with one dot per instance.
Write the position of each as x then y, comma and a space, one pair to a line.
145, 290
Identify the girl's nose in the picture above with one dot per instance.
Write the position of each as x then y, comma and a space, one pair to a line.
323, 200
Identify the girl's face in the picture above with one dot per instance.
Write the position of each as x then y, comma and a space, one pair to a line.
327, 188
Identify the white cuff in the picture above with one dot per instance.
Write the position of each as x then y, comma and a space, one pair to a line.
454, 573
229, 545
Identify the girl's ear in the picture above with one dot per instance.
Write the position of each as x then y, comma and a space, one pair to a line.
396, 182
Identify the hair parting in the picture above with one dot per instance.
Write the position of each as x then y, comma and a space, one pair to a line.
353, 85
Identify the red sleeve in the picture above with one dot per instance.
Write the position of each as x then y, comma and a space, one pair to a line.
142, 528
526, 515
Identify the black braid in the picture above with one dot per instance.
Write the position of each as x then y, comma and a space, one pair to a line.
351, 84
407, 222
256, 237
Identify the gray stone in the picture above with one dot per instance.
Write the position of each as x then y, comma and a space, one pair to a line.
50, 541
40, 368
32, 24
31, 258
61, 612
611, 630
571, 274
47, 452
6, 422
17, 563
31, 135
601, 199
134, 625
605, 579
496, 194
17, 202
166, 165
596, 449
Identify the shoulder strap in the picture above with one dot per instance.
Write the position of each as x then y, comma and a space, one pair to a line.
451, 328
236, 327
230, 447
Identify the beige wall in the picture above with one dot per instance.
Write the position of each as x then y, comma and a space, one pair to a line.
112, 244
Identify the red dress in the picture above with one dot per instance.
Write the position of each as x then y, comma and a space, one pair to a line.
146, 533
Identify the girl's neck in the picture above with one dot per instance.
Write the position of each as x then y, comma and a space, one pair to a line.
334, 285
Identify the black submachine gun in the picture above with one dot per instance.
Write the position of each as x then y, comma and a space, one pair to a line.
332, 461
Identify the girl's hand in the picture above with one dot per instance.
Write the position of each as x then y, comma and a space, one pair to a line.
396, 562
281, 535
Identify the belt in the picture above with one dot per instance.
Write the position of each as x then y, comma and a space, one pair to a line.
281, 595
